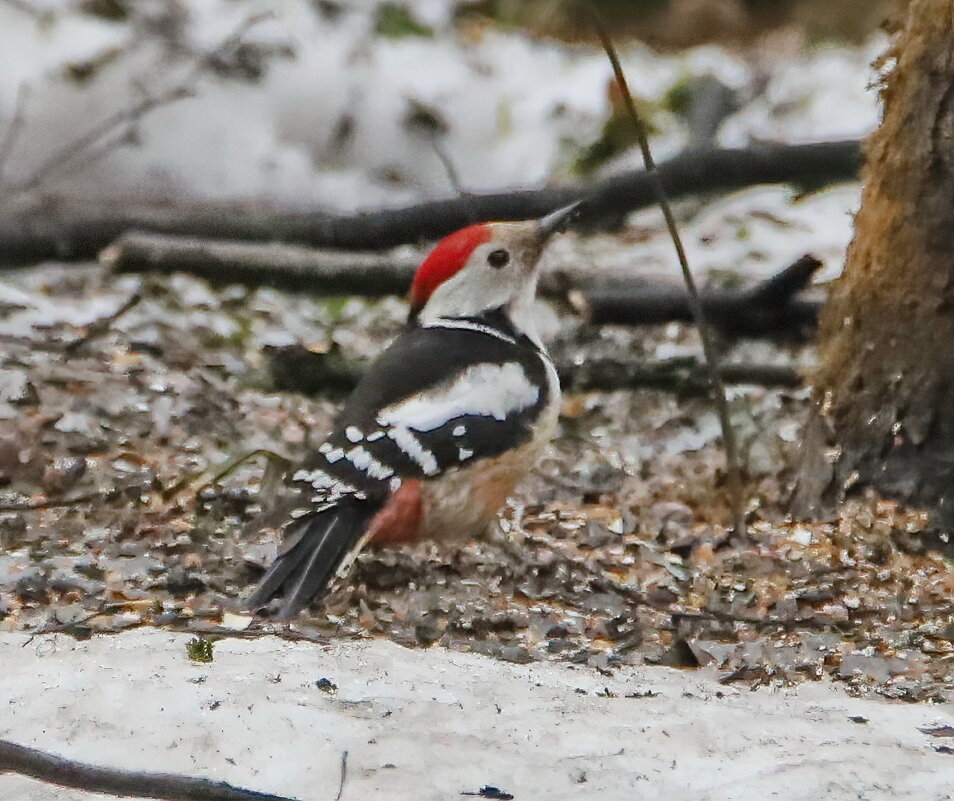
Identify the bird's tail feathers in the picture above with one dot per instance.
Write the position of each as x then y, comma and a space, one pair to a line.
316, 549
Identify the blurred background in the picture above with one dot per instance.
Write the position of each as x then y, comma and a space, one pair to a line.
349, 105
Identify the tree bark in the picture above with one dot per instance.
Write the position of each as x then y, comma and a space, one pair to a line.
884, 391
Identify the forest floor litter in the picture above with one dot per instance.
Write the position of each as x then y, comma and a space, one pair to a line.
615, 552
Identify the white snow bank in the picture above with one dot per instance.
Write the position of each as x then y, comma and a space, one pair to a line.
329, 124
429, 724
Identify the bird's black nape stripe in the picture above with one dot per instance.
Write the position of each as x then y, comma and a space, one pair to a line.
498, 320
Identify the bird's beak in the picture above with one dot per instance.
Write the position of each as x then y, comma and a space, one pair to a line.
556, 222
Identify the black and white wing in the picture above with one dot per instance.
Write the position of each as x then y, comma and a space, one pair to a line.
438, 398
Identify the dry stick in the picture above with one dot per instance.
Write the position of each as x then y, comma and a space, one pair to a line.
296, 369
51, 504
722, 405
215, 474
770, 308
97, 154
344, 775
71, 151
223, 471
447, 163
454, 177
602, 296
99, 327
53, 769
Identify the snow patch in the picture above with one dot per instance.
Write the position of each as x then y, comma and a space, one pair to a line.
255, 717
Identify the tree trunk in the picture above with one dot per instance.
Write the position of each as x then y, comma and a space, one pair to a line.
884, 415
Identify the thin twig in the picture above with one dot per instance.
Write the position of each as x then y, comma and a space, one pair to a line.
257, 630
733, 463
94, 155
216, 473
64, 158
453, 175
28, 506
99, 327
12, 134
54, 769
448, 164
344, 775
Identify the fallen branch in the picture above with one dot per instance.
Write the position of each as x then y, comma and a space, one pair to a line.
769, 309
80, 233
687, 376
295, 369
289, 267
53, 769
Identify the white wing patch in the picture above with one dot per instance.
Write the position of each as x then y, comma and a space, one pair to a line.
411, 445
365, 462
484, 390
329, 488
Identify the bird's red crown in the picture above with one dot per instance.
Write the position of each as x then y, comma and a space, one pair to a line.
449, 256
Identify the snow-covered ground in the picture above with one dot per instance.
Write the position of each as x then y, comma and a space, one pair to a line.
431, 724
328, 120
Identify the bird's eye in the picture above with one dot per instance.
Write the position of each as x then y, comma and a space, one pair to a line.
498, 258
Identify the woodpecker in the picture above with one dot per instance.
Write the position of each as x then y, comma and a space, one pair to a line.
442, 426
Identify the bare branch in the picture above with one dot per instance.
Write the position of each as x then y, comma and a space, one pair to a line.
769, 309
286, 266
54, 769
71, 151
448, 164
